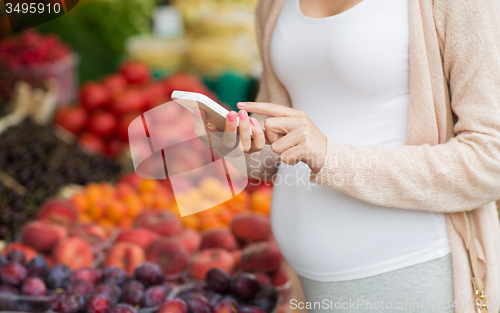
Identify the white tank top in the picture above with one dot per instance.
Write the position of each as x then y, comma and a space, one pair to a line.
350, 74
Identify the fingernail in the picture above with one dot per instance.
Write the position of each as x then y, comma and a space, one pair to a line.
243, 115
231, 117
241, 104
198, 113
253, 121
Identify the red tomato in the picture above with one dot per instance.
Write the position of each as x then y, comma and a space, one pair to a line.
122, 130
91, 143
72, 119
114, 82
135, 72
113, 148
154, 95
94, 96
127, 101
102, 124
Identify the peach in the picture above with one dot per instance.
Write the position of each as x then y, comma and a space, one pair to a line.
74, 252
263, 278
163, 223
261, 256
237, 257
279, 277
170, 254
251, 227
139, 236
125, 255
43, 236
91, 233
218, 238
132, 179
205, 260
59, 211
190, 240
29, 253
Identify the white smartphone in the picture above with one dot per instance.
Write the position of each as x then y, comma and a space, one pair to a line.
216, 113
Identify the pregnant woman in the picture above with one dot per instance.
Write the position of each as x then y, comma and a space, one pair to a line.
385, 115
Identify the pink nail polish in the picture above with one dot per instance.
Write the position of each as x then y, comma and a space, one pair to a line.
253, 121
231, 117
198, 113
243, 115
241, 104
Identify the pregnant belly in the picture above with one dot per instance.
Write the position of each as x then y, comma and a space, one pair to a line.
326, 233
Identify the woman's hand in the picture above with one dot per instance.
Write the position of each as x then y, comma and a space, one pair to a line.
232, 131
302, 140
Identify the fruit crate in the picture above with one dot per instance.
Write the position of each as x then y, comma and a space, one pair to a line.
183, 287
63, 71
285, 292
20, 303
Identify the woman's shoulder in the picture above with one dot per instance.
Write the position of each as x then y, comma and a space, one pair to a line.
464, 8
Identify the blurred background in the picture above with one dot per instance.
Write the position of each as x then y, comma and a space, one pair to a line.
69, 89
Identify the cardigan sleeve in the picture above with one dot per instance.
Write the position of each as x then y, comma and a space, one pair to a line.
461, 174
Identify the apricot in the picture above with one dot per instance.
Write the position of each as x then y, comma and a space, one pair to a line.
240, 202
190, 221
80, 201
133, 205
116, 211
147, 185
97, 210
261, 202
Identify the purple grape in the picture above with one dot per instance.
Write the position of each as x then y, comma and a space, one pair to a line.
218, 280
57, 276
38, 267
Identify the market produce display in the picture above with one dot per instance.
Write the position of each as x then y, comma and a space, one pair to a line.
155, 235
119, 205
80, 230
36, 158
34, 58
62, 289
106, 108
97, 29
242, 266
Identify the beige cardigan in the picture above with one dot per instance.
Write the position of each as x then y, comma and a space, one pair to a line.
451, 159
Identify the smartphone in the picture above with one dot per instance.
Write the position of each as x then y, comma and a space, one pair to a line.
216, 113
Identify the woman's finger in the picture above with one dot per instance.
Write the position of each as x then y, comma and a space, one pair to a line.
230, 137
244, 132
292, 156
282, 125
271, 109
286, 142
259, 140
